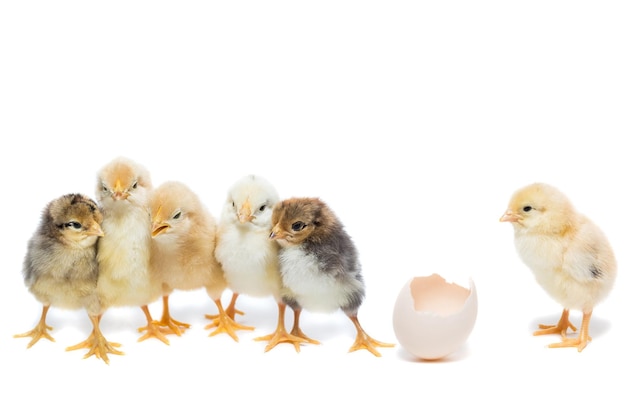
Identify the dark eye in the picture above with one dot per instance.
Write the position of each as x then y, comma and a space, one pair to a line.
177, 215
233, 204
262, 208
527, 208
135, 185
297, 226
73, 225
104, 188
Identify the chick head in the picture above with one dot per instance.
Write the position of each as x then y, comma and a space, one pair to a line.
250, 202
174, 209
298, 219
539, 208
123, 180
75, 219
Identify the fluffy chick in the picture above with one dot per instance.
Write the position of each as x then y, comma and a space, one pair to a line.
124, 251
249, 259
60, 267
569, 255
183, 258
319, 264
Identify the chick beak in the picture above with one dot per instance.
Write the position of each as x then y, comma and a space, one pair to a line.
509, 216
95, 230
118, 192
157, 229
275, 234
245, 213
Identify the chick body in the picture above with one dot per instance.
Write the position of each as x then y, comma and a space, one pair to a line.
248, 257
569, 255
124, 251
60, 267
319, 264
183, 257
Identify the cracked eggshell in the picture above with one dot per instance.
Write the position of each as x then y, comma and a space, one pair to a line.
432, 318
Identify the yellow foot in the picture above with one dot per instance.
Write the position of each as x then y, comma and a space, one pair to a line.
554, 329
98, 346
153, 330
363, 341
579, 343
172, 326
225, 324
230, 314
41, 330
281, 336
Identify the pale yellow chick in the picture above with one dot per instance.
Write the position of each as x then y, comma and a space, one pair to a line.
183, 258
569, 255
124, 250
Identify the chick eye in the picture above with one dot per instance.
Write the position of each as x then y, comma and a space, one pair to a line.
135, 185
298, 226
233, 204
73, 225
104, 188
527, 208
177, 215
263, 207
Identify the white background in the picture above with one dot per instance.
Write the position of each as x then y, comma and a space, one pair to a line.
415, 121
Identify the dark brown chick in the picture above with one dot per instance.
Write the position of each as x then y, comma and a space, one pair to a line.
61, 270
319, 265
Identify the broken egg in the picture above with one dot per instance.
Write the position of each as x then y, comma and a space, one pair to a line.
432, 318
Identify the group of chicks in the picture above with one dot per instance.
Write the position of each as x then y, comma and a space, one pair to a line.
137, 244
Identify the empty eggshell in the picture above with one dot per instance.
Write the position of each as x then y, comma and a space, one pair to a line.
432, 318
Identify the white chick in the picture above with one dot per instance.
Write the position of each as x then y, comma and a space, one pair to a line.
569, 255
248, 257
124, 250
184, 234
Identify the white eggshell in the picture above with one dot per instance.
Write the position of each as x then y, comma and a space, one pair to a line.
432, 318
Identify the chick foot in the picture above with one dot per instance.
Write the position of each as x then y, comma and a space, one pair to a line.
579, 342
39, 331
151, 329
559, 328
364, 341
97, 343
230, 310
223, 323
281, 336
167, 322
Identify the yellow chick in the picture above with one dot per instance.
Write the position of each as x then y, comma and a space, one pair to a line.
60, 267
183, 258
248, 257
569, 255
320, 266
124, 251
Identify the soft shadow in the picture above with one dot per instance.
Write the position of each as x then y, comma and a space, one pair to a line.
461, 354
597, 326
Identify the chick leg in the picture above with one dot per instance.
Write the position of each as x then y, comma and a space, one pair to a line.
364, 341
225, 324
152, 328
230, 310
281, 335
168, 322
40, 330
559, 328
97, 343
579, 342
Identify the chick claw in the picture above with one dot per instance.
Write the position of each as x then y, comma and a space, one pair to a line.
98, 346
225, 324
41, 330
559, 328
152, 329
363, 341
281, 336
172, 326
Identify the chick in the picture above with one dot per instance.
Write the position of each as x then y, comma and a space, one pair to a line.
60, 267
569, 255
249, 259
183, 258
319, 264
124, 251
